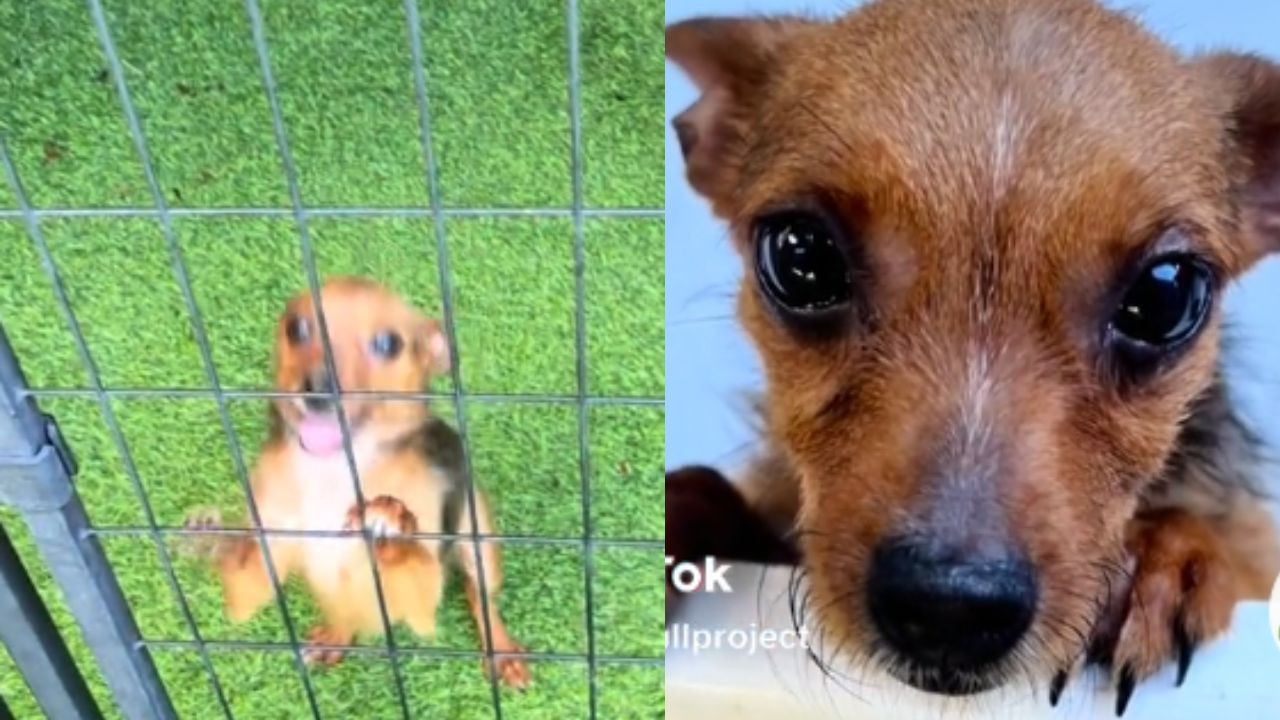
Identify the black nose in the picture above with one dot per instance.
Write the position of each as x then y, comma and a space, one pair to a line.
943, 610
318, 382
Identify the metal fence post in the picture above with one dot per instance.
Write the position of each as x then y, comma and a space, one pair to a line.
37, 648
35, 478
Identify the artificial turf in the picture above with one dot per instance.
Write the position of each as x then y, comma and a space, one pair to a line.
498, 85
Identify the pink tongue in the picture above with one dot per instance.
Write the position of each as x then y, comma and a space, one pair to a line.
321, 435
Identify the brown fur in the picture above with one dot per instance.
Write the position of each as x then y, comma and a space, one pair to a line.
999, 166
408, 464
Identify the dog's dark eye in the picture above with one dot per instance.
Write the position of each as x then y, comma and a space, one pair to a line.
298, 330
387, 345
1167, 303
799, 265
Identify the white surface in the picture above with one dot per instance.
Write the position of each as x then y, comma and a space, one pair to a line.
735, 685
1274, 616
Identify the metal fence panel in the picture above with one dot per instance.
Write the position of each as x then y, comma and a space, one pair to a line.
57, 518
35, 645
35, 478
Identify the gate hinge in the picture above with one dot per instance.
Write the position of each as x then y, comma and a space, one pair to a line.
54, 434
42, 480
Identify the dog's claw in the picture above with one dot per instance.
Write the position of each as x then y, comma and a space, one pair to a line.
1124, 689
194, 544
1056, 687
1186, 648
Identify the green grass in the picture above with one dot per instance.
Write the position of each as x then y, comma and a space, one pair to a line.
498, 87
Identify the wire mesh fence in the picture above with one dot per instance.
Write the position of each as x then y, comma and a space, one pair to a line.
180, 242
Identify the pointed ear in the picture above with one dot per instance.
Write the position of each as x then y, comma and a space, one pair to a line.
431, 347
1252, 84
729, 60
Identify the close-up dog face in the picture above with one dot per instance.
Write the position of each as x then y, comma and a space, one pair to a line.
380, 344
985, 245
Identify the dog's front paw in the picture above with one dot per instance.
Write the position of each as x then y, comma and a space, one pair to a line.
1181, 595
195, 544
320, 650
708, 517
513, 672
387, 520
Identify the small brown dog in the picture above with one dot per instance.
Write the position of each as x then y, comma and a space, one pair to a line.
985, 243
410, 467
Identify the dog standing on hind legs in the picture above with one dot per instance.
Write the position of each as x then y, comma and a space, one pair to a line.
985, 244
411, 471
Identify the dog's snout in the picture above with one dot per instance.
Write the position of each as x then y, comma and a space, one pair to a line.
947, 610
318, 382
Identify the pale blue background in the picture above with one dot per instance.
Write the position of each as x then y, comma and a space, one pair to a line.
710, 368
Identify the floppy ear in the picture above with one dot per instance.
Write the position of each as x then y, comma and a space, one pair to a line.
1253, 84
728, 59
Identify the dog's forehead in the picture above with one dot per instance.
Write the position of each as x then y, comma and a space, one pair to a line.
353, 306
960, 116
